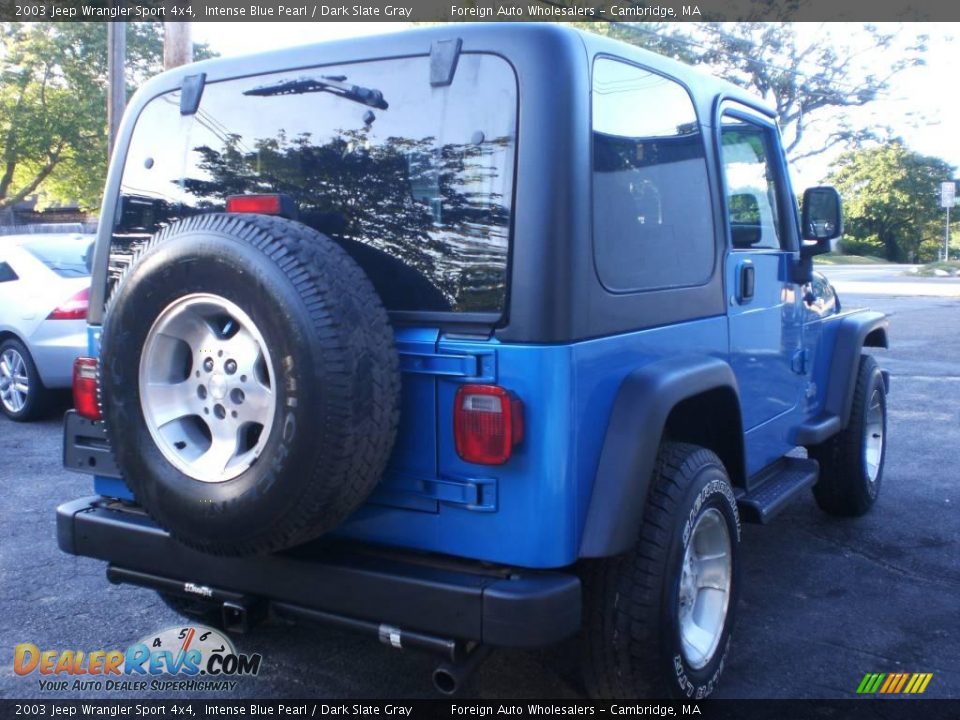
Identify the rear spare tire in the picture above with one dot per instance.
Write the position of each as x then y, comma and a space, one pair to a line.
250, 384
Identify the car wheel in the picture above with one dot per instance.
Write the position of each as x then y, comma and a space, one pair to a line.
249, 382
658, 619
22, 395
851, 462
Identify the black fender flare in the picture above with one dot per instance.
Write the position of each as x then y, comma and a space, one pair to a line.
640, 411
856, 331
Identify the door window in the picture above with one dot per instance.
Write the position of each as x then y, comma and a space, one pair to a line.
752, 185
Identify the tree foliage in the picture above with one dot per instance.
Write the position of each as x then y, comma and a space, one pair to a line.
53, 117
803, 79
891, 200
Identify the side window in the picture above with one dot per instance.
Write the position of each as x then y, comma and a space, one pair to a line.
752, 185
652, 221
7, 273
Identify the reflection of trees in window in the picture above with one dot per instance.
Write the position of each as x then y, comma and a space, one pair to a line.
432, 208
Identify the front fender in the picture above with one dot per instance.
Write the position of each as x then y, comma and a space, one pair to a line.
640, 412
856, 331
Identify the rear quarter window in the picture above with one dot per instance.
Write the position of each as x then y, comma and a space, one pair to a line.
652, 216
7, 273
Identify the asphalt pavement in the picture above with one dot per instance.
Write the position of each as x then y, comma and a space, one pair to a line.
824, 600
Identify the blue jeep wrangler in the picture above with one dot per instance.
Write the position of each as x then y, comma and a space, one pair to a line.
465, 337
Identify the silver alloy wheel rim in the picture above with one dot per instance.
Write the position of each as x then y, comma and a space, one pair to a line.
14, 383
705, 588
873, 436
207, 387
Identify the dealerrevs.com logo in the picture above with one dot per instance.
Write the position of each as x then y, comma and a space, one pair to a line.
178, 658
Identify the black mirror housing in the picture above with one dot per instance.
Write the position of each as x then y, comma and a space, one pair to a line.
821, 220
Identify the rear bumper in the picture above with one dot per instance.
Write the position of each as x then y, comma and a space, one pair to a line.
343, 583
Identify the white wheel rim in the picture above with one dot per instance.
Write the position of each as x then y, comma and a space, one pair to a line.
873, 436
14, 382
705, 581
207, 387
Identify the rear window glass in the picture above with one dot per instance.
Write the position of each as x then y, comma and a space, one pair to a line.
652, 224
67, 257
419, 193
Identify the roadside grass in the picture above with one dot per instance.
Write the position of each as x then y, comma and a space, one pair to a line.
951, 266
838, 259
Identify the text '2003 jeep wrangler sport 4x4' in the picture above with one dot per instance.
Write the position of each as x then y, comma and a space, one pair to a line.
469, 336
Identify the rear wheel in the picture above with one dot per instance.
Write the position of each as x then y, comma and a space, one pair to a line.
658, 618
22, 394
851, 462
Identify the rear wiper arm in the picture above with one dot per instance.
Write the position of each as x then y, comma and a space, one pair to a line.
326, 83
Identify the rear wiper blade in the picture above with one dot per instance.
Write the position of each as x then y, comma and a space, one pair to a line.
326, 83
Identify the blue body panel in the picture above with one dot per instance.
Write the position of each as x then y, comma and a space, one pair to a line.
531, 511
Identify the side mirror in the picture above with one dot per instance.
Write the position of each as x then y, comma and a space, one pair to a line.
821, 220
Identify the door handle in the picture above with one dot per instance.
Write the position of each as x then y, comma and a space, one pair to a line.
746, 282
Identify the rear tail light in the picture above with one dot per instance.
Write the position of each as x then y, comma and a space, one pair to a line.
73, 309
487, 424
85, 395
273, 204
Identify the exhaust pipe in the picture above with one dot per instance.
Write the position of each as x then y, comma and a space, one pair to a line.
450, 677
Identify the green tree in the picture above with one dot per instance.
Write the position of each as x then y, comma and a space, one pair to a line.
803, 79
53, 124
891, 198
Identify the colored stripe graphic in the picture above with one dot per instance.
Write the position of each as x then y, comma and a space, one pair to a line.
903, 681
894, 683
920, 683
870, 683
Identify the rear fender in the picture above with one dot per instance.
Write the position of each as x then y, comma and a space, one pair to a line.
640, 414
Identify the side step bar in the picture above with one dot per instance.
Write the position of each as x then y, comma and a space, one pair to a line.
772, 489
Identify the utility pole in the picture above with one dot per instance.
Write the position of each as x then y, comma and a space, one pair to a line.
116, 86
946, 239
177, 44
947, 200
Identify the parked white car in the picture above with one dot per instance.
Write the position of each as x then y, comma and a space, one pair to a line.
44, 295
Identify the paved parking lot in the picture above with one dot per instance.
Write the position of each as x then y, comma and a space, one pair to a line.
825, 601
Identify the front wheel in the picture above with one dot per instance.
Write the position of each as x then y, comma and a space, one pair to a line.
851, 462
657, 620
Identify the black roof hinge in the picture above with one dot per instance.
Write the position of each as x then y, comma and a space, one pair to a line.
191, 92
444, 55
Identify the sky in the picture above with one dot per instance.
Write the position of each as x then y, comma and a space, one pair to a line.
922, 105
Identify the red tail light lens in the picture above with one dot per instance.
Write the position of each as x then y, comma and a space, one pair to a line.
85, 398
273, 204
487, 424
73, 309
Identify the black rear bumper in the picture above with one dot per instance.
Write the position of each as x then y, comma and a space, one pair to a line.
422, 595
